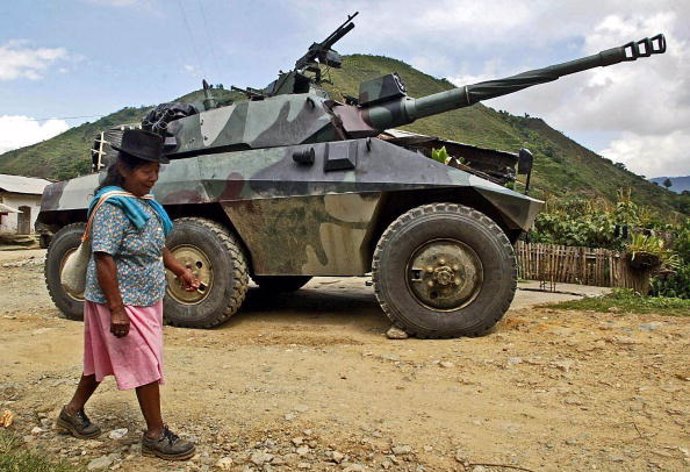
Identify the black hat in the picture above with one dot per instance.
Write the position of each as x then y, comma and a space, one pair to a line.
142, 144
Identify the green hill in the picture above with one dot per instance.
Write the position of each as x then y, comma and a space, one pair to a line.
66, 155
561, 165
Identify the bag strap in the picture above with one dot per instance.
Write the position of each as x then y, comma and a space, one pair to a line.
101, 201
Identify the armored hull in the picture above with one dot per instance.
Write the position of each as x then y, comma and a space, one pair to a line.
316, 219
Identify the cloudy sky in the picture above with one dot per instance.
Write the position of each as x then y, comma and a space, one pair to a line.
69, 61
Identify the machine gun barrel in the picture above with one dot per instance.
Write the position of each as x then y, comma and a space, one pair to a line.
407, 110
252, 94
319, 50
340, 31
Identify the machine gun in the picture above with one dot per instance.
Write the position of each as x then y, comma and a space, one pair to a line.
296, 80
322, 52
250, 93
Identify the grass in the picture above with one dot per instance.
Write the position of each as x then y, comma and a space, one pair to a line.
626, 301
14, 457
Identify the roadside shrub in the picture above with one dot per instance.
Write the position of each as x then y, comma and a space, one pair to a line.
650, 252
681, 241
580, 222
676, 284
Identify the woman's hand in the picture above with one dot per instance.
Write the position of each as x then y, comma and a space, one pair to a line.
106, 271
188, 280
119, 322
184, 274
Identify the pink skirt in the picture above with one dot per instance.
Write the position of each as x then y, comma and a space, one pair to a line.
135, 359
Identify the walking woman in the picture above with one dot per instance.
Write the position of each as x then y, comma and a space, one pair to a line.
125, 285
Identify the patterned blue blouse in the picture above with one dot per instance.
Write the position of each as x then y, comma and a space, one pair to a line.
138, 256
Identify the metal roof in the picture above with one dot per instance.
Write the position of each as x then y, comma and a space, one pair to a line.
8, 209
19, 184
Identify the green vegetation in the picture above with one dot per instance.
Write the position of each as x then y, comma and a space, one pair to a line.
626, 301
14, 457
440, 155
576, 221
650, 251
676, 283
625, 227
68, 154
561, 166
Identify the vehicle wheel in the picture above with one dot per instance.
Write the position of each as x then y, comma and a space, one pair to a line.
62, 244
444, 270
217, 260
281, 283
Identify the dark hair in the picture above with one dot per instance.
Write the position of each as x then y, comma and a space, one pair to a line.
113, 175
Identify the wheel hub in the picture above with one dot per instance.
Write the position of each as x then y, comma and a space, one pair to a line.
199, 263
445, 274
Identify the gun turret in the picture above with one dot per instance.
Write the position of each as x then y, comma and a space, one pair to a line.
383, 102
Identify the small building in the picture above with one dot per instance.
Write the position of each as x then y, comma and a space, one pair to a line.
20, 202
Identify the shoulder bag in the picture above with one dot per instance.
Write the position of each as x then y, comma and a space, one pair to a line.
73, 274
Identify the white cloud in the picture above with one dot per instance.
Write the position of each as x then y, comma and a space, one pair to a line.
17, 60
652, 156
644, 105
20, 131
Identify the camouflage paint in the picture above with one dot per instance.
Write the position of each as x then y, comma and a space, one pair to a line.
277, 121
317, 235
303, 219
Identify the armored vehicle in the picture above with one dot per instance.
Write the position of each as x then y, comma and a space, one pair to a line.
291, 184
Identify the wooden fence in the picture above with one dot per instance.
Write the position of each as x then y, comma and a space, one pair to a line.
551, 263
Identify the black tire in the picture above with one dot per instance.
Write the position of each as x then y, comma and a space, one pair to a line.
215, 255
62, 244
281, 283
468, 273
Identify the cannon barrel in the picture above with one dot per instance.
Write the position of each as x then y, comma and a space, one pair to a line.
406, 110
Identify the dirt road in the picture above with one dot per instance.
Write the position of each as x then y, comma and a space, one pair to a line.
309, 381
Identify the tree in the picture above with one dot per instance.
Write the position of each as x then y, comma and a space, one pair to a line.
667, 182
